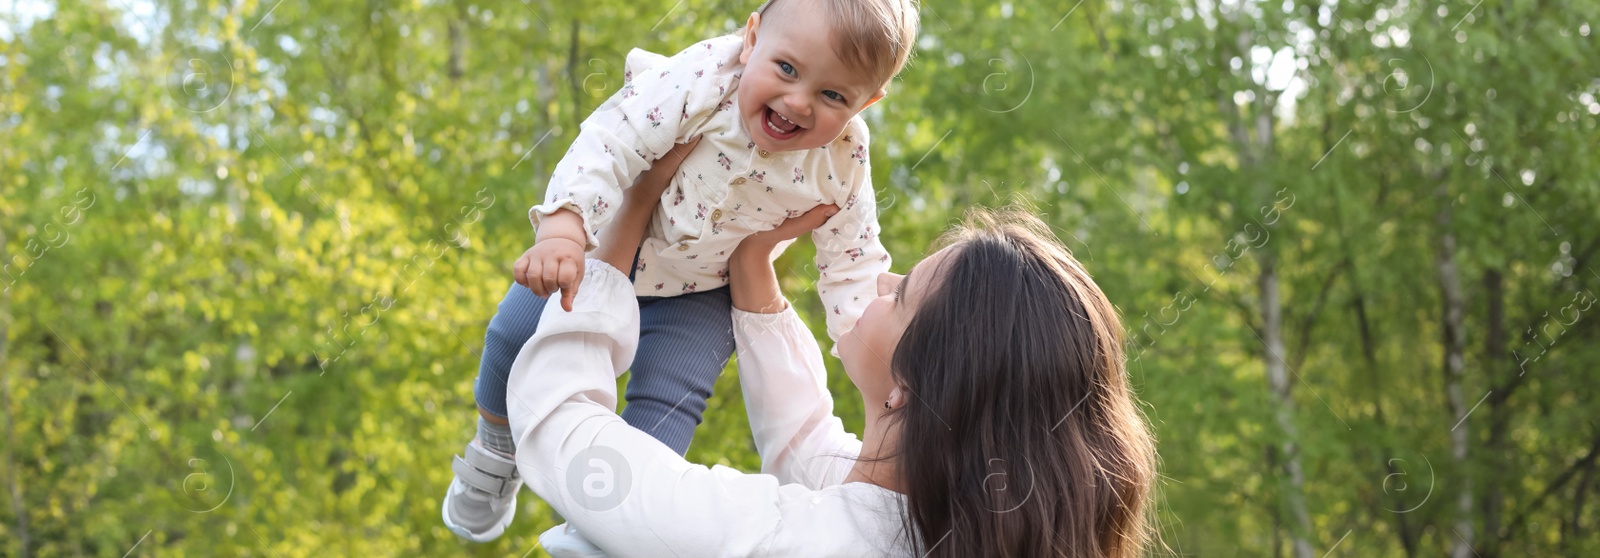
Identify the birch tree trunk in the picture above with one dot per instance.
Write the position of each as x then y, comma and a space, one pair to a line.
1455, 346
1252, 155
1278, 380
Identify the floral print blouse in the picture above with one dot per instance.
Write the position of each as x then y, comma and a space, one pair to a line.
726, 188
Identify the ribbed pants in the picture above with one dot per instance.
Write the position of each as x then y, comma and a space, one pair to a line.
684, 342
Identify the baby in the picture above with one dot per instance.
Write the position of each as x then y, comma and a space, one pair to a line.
777, 108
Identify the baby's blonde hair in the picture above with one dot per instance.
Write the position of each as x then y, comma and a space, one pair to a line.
872, 36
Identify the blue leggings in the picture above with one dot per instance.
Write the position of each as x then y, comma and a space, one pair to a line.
684, 342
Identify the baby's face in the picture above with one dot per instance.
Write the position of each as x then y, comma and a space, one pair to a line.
795, 93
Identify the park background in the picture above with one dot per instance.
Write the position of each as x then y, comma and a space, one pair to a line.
251, 247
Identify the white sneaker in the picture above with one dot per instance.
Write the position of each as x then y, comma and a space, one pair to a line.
483, 495
564, 541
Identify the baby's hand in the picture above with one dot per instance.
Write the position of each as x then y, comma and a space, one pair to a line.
551, 264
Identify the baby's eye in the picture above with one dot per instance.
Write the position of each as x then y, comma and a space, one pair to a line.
786, 68
831, 94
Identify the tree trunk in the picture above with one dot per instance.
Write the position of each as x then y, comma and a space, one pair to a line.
1277, 515
1252, 154
1278, 380
1455, 342
1574, 530
1369, 353
573, 79
1497, 451
458, 47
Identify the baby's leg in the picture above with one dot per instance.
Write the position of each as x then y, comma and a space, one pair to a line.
684, 342
482, 498
513, 324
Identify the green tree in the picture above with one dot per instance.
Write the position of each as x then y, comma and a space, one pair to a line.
250, 248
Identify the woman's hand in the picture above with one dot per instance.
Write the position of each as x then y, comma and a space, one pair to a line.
626, 231
752, 282
762, 243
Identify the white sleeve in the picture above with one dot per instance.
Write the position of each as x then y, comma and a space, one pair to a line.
627, 492
666, 101
786, 394
848, 268
850, 254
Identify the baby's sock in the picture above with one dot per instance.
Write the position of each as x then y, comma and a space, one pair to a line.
496, 437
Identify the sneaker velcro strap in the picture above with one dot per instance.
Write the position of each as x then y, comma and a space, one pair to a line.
490, 474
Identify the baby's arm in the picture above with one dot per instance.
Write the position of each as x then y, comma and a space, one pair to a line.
622, 237
551, 266
849, 258
849, 254
667, 101
555, 262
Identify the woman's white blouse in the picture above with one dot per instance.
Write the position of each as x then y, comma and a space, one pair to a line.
633, 496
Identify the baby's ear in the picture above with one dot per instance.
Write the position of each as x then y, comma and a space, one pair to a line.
875, 98
751, 27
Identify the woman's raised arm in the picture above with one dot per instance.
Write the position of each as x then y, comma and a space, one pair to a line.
627, 229
780, 368
752, 282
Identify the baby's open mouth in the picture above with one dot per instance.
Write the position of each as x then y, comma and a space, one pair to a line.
777, 126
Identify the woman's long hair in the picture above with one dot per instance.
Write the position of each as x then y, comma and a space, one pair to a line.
1021, 436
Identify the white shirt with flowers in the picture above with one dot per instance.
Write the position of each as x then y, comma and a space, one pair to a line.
726, 188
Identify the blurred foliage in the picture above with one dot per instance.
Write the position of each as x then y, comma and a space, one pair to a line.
250, 249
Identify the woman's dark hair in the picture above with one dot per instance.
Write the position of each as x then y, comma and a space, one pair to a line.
1021, 436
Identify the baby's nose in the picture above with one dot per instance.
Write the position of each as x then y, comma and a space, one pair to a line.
800, 104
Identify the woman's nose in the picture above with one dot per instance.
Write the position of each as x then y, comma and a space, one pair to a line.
887, 282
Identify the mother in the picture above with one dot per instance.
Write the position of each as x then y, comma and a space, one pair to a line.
999, 418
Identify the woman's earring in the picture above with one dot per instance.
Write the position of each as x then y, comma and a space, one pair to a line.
886, 404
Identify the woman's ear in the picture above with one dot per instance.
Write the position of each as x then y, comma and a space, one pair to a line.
751, 27
897, 397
